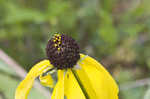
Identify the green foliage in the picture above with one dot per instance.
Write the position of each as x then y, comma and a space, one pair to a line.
136, 93
147, 94
8, 84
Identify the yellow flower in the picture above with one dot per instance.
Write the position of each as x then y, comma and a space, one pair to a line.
79, 76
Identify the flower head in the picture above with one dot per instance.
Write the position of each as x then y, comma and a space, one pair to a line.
62, 51
79, 76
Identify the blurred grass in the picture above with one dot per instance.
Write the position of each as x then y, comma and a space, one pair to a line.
9, 83
115, 32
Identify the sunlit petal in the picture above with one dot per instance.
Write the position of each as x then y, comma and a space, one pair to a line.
72, 88
24, 87
98, 83
58, 92
47, 80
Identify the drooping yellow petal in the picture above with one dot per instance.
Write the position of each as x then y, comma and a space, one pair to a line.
24, 87
58, 92
47, 80
72, 88
98, 83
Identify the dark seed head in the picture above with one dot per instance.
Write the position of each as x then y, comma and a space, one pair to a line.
62, 51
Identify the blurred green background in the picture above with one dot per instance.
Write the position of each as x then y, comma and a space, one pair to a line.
115, 32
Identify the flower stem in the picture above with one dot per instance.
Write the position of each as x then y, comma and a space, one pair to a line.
80, 84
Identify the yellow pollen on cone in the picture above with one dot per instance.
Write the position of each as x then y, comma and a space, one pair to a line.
58, 49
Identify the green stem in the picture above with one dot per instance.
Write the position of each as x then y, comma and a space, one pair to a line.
80, 84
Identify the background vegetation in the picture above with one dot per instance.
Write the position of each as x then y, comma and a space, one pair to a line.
115, 32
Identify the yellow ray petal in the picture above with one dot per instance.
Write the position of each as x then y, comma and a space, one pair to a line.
24, 87
96, 80
72, 88
58, 92
46, 80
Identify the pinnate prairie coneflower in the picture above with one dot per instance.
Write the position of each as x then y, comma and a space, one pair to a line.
79, 75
